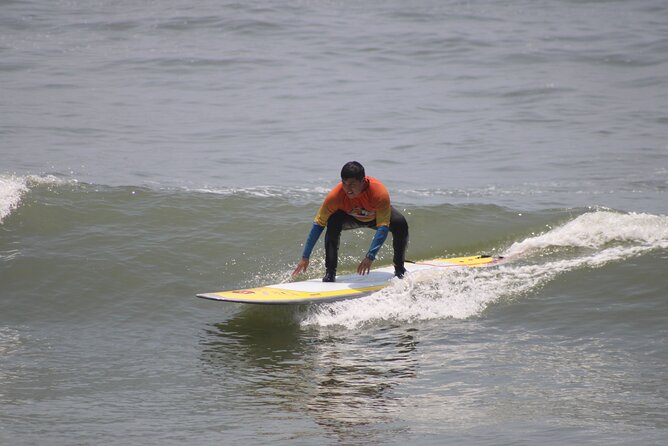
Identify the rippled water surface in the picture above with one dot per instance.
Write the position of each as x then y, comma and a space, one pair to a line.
153, 150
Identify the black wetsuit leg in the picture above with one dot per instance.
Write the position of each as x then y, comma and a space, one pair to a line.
399, 230
339, 221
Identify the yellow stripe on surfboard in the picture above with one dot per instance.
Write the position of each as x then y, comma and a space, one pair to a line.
276, 295
461, 261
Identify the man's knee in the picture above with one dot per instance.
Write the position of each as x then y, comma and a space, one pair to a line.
335, 221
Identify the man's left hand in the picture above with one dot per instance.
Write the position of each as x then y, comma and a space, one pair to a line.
364, 266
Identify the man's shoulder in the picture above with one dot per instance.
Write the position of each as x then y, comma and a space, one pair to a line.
376, 185
378, 192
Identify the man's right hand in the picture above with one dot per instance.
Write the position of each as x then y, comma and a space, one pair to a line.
302, 266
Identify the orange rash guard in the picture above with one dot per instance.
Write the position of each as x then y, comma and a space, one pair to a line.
372, 204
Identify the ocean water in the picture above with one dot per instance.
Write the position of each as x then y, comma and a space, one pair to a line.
152, 150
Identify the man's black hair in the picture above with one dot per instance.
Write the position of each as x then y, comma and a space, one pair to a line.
353, 169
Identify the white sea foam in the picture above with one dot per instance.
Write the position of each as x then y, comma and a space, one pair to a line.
597, 229
12, 189
467, 292
265, 191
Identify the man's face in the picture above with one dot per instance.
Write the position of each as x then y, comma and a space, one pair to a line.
353, 187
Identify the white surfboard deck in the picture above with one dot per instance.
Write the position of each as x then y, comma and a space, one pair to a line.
346, 287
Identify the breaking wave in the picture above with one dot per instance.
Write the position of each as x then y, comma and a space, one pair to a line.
590, 240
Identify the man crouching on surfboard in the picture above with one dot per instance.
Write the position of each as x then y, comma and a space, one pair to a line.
358, 201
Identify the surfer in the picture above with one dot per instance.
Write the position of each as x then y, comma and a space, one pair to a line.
358, 201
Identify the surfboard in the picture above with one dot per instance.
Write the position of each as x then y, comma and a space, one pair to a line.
346, 286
